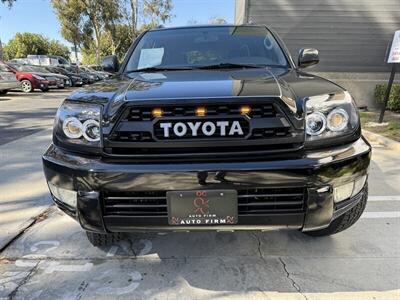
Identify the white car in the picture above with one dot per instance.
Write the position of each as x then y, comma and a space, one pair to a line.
8, 81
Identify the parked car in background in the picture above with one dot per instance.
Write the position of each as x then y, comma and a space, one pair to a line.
86, 78
95, 74
96, 67
101, 70
46, 60
75, 79
8, 80
100, 74
61, 80
52, 81
29, 80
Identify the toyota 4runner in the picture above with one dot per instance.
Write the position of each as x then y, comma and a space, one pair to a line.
209, 128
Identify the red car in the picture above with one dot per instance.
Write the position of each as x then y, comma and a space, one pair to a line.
29, 81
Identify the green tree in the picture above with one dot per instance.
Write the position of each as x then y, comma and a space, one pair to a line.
23, 44
26, 43
108, 26
158, 11
93, 10
111, 14
141, 14
56, 48
69, 13
123, 36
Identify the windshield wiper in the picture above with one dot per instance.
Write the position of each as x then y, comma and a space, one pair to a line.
229, 66
160, 68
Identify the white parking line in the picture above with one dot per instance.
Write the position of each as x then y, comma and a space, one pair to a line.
373, 145
384, 198
380, 214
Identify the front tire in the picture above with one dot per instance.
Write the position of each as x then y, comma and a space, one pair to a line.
344, 221
3, 92
26, 86
101, 239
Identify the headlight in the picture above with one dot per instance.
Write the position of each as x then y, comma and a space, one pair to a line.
315, 123
78, 124
38, 77
330, 116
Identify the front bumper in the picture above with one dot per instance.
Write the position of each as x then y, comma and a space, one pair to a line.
53, 84
318, 171
76, 82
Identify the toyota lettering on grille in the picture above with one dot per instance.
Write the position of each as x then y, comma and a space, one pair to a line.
201, 129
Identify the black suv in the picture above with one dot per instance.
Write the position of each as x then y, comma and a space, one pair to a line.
209, 128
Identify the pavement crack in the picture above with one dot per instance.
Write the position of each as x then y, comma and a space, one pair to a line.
40, 217
132, 247
259, 245
24, 281
294, 284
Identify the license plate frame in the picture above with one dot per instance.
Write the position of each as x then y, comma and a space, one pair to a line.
202, 207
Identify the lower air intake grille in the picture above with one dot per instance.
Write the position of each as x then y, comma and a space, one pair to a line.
254, 201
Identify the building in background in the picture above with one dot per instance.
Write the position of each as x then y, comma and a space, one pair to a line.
353, 36
75, 56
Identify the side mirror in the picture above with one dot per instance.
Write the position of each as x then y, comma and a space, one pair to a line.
110, 64
308, 57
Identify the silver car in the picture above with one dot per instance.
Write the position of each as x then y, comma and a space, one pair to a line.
8, 81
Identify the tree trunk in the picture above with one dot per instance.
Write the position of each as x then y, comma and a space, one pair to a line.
97, 34
113, 47
76, 52
90, 10
134, 8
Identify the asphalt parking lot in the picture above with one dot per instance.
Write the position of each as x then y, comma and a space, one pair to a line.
45, 255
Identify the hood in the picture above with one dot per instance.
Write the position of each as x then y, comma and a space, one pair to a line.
51, 75
206, 84
59, 75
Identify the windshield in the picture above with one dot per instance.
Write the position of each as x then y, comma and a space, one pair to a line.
39, 69
204, 46
23, 68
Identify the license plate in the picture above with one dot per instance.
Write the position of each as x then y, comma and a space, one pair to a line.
202, 207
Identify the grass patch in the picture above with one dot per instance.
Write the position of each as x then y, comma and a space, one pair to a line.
391, 130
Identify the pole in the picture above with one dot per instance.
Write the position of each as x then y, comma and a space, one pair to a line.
387, 95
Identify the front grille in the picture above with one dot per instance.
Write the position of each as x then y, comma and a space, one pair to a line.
266, 130
252, 201
144, 113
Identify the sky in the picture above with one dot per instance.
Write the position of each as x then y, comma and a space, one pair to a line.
37, 16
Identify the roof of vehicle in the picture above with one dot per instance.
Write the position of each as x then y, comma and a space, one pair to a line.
207, 26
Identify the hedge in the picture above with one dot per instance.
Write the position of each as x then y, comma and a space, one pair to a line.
394, 98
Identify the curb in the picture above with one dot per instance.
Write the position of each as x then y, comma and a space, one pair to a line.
375, 138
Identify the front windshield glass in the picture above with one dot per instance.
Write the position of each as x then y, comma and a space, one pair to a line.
205, 46
24, 68
39, 69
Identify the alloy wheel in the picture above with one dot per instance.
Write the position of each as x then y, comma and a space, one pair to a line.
26, 86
